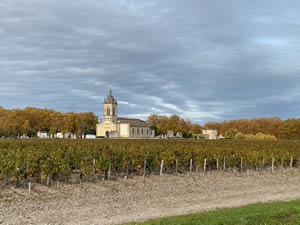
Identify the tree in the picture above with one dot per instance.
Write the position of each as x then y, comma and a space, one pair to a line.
231, 133
196, 129
162, 124
240, 135
250, 136
31, 120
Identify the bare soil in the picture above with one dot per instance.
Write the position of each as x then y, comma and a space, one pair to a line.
122, 201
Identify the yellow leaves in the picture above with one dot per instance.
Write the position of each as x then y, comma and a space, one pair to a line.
61, 157
138, 167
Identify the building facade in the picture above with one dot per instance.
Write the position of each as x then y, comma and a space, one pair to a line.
42, 134
210, 134
113, 126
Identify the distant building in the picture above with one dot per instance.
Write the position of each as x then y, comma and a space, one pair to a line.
221, 136
170, 134
179, 135
90, 136
114, 126
68, 135
59, 135
210, 134
24, 136
42, 134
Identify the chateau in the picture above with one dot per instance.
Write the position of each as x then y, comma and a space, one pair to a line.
113, 126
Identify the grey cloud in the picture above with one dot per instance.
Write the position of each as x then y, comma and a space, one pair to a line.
203, 60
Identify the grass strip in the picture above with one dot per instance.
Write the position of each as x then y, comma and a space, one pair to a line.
273, 213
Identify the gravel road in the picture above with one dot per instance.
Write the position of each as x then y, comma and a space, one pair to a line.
120, 201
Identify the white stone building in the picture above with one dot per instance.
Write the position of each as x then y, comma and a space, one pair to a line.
114, 126
170, 134
179, 135
210, 134
42, 134
90, 136
59, 135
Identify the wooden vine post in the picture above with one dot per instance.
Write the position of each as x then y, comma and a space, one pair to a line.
109, 171
233, 164
161, 167
94, 169
48, 181
241, 164
144, 172
291, 162
204, 166
176, 162
224, 164
29, 188
191, 165
127, 169
272, 164
217, 164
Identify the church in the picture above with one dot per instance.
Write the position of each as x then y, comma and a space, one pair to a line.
113, 126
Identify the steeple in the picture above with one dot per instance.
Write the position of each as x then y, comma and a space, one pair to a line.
110, 108
110, 99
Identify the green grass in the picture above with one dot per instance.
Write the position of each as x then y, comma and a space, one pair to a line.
273, 213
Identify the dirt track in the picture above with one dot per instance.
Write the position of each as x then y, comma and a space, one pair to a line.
115, 202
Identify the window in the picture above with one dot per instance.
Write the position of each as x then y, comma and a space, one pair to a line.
137, 130
108, 112
132, 130
147, 131
114, 111
142, 131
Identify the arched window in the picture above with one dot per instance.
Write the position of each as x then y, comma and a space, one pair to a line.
108, 111
114, 111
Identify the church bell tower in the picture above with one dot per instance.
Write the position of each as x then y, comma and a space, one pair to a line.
110, 108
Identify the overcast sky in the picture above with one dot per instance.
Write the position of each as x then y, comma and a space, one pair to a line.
203, 60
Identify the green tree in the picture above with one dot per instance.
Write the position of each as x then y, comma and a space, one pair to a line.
240, 135
231, 133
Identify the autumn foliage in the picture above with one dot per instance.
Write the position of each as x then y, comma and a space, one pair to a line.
56, 159
30, 120
162, 124
273, 126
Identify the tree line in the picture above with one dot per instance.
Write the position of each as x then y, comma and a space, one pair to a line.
262, 128
244, 128
14, 122
162, 124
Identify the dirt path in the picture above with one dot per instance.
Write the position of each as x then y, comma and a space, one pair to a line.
116, 202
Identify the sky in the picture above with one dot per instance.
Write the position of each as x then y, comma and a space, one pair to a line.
202, 60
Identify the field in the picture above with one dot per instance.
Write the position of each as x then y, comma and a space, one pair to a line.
104, 181
275, 213
53, 160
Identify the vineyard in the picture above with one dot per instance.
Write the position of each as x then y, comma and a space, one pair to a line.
53, 160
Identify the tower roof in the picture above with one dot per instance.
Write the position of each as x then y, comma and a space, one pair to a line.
110, 99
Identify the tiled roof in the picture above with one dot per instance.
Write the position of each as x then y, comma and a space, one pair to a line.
134, 122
